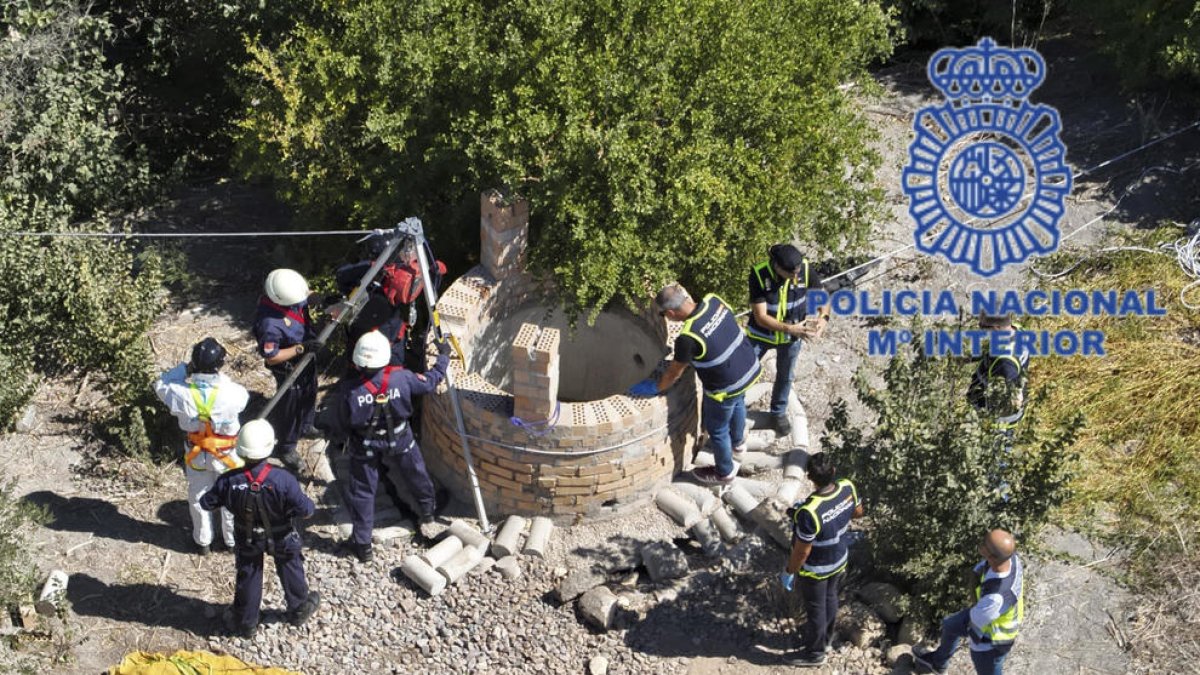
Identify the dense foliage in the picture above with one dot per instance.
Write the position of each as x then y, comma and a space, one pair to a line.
655, 139
69, 303
940, 23
1152, 41
17, 573
930, 474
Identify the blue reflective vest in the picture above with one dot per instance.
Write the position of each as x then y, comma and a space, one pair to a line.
1004, 629
787, 302
832, 514
726, 363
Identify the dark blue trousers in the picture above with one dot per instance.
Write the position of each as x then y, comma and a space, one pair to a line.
364, 481
820, 609
289, 565
295, 410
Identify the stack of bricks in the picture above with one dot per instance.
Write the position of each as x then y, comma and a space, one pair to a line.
503, 234
535, 369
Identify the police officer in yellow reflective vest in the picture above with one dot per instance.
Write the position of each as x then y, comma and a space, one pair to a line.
998, 385
819, 554
778, 309
206, 404
993, 622
712, 342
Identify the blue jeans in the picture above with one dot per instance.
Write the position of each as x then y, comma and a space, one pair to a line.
956, 627
725, 422
785, 366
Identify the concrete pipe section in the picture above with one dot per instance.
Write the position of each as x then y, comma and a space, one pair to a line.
550, 428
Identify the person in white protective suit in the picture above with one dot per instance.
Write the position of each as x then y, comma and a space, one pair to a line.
207, 404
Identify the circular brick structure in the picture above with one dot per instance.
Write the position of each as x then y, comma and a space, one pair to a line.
549, 431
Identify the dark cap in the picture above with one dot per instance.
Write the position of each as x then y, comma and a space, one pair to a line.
995, 320
787, 257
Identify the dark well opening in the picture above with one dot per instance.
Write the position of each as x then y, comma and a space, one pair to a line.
595, 361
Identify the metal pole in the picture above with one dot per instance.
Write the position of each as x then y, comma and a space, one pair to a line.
413, 228
352, 301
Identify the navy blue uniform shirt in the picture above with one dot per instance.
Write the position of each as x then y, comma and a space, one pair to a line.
275, 329
282, 496
356, 403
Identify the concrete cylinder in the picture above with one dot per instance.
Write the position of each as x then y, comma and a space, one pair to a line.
740, 500
599, 607
539, 536
681, 509
703, 497
469, 535
423, 575
788, 491
704, 534
508, 541
794, 464
509, 567
442, 551
725, 525
462, 562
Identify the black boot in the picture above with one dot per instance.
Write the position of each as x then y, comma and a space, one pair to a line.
306, 609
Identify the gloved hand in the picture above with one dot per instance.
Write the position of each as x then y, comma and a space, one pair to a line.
313, 346
443, 346
788, 581
647, 387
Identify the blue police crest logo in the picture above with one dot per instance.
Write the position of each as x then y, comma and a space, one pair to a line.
987, 179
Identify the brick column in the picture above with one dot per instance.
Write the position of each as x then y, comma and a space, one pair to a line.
503, 234
535, 372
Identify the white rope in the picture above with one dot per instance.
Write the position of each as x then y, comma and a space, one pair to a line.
190, 235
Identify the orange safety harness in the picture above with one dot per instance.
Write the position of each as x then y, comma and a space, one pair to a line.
206, 440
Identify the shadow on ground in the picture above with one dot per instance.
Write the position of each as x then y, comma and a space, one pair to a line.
103, 519
144, 603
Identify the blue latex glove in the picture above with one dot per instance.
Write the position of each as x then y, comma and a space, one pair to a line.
647, 387
788, 581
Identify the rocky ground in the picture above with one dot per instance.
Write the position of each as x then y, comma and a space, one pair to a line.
120, 528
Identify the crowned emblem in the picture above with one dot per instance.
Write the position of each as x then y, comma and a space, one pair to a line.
987, 179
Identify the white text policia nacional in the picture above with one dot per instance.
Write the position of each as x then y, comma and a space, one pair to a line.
972, 342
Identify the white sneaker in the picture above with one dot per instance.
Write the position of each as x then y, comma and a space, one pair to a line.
739, 451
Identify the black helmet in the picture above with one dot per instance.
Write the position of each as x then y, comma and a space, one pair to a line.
207, 356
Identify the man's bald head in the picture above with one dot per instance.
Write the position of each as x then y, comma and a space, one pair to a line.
998, 546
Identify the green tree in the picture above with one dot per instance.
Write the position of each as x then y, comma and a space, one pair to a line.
69, 303
930, 473
655, 139
1151, 41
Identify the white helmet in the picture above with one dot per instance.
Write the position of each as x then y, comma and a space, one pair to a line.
286, 287
372, 350
256, 440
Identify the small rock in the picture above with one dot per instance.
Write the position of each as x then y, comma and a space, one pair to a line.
887, 600
577, 583
911, 630
859, 624
664, 561
28, 420
598, 665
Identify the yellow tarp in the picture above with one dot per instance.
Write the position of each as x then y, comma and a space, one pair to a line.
188, 663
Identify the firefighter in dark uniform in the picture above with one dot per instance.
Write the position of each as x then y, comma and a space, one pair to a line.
778, 309
284, 330
712, 342
393, 306
264, 501
372, 410
819, 554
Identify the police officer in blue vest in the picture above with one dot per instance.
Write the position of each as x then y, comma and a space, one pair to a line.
284, 330
819, 554
265, 501
993, 622
712, 342
373, 409
778, 309
999, 382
